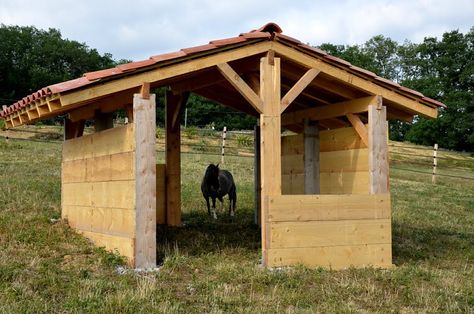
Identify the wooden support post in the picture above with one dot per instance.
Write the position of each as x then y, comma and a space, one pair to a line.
435, 163
224, 135
378, 150
174, 106
311, 158
270, 141
103, 121
258, 191
145, 181
73, 129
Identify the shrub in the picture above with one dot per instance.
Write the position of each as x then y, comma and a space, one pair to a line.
244, 140
191, 132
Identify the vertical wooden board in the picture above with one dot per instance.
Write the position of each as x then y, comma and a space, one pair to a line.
344, 182
292, 145
292, 164
160, 194
378, 150
123, 245
144, 111
114, 194
351, 160
73, 171
330, 233
333, 257
340, 139
78, 194
311, 158
329, 207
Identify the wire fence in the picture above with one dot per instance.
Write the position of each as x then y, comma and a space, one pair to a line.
211, 144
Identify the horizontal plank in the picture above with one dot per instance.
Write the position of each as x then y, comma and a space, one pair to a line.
344, 182
333, 257
292, 183
292, 145
340, 139
116, 167
111, 221
328, 207
112, 194
345, 160
303, 234
111, 141
124, 245
291, 164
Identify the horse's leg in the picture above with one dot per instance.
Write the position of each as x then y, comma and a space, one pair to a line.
208, 206
231, 213
214, 208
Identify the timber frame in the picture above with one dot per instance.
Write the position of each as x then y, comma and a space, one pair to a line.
270, 76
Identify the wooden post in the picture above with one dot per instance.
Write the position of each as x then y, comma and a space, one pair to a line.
257, 217
311, 157
174, 106
435, 163
145, 181
224, 134
103, 121
73, 129
270, 141
378, 149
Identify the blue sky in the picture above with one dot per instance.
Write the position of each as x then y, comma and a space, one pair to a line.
140, 28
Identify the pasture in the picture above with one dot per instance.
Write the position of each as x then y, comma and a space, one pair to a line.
213, 266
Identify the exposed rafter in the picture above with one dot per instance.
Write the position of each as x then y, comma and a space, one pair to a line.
298, 88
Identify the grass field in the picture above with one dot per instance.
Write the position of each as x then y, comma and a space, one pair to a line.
214, 266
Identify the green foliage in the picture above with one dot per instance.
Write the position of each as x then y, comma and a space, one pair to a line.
160, 133
2, 124
191, 132
440, 69
244, 140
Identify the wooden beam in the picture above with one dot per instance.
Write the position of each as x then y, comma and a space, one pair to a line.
129, 112
145, 180
103, 120
298, 88
404, 102
329, 111
359, 126
162, 73
311, 158
73, 129
270, 141
241, 86
178, 112
378, 150
145, 90
173, 161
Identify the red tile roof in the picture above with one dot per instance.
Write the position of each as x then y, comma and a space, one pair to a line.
270, 31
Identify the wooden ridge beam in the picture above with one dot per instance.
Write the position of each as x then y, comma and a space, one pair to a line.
404, 102
359, 126
298, 88
241, 86
330, 111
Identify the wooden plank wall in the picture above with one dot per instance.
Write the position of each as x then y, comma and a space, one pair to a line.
332, 231
292, 164
98, 188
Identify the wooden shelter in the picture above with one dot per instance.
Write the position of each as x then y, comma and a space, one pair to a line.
323, 193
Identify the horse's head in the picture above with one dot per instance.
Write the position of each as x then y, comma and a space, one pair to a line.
211, 177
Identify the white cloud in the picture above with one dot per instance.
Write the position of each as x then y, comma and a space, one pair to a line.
140, 28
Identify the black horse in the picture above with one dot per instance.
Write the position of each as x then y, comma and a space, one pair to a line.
216, 184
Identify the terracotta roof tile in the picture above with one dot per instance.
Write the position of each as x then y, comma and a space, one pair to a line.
268, 31
169, 56
197, 49
228, 41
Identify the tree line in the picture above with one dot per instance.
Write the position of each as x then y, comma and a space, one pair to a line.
442, 69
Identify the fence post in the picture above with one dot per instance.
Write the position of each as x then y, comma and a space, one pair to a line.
224, 133
435, 163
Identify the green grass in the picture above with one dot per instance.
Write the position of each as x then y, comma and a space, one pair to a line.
214, 266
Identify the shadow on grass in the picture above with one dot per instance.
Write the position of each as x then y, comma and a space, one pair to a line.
201, 235
416, 243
